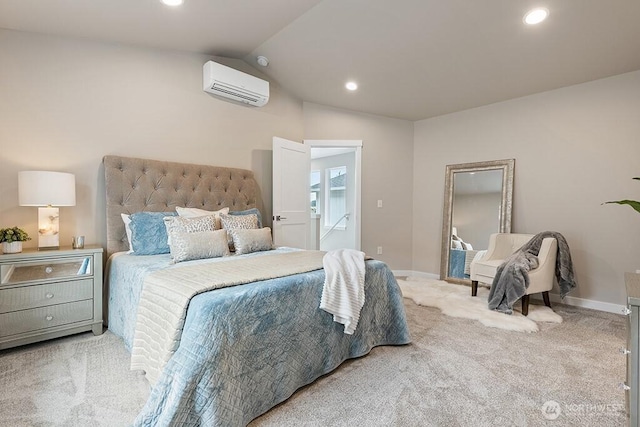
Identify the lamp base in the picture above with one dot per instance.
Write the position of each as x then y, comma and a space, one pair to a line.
48, 228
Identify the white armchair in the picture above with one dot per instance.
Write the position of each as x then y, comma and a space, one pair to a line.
501, 246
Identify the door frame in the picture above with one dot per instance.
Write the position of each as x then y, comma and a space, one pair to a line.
345, 143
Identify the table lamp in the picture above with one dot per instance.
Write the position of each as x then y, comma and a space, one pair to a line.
47, 190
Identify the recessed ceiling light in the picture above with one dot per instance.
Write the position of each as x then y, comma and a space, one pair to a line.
351, 85
172, 2
536, 16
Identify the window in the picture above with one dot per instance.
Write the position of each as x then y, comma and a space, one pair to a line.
336, 197
314, 195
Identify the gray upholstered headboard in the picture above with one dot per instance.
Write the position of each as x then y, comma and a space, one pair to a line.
135, 185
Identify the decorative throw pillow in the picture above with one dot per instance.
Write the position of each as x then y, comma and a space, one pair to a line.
254, 211
148, 233
251, 240
179, 224
198, 245
232, 222
195, 212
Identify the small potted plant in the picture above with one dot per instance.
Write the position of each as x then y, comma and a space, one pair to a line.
12, 239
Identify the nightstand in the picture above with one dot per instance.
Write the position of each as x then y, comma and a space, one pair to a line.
49, 294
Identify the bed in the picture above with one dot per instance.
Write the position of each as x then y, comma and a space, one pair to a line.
461, 255
240, 349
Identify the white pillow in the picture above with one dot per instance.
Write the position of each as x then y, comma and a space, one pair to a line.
127, 228
195, 212
455, 244
198, 245
251, 240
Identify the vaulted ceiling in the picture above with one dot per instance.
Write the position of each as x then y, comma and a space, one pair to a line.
412, 59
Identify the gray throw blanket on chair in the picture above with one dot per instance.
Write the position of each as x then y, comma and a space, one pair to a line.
512, 277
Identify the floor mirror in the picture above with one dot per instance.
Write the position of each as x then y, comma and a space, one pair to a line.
477, 202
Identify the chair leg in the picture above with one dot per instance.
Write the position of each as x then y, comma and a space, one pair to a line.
545, 297
474, 288
525, 305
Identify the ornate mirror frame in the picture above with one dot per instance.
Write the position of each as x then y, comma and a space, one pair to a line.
507, 167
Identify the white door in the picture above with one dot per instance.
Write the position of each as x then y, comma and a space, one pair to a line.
291, 213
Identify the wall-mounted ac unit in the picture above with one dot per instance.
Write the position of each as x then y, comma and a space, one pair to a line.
229, 83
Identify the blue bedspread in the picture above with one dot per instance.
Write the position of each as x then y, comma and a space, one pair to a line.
125, 277
246, 348
456, 263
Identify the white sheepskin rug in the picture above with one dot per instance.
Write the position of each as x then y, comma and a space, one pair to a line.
456, 301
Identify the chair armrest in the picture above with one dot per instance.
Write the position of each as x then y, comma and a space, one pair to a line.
546, 258
549, 246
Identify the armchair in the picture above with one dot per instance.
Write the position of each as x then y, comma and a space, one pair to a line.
501, 246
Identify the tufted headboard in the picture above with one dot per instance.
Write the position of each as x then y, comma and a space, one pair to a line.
135, 185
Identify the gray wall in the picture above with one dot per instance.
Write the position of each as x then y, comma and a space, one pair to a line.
65, 103
575, 148
387, 150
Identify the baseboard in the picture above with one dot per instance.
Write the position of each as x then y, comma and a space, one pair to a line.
585, 303
406, 273
568, 300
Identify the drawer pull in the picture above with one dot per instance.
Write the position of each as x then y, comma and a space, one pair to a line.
49, 295
49, 317
48, 269
626, 311
624, 386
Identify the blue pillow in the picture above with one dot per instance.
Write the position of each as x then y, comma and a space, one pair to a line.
249, 212
148, 233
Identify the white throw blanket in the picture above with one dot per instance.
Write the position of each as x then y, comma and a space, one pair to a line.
343, 292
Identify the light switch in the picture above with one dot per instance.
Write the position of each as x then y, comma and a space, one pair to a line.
379, 203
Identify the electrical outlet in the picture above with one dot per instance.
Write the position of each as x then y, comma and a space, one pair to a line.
379, 250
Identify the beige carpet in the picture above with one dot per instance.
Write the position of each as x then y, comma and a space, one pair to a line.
456, 372
77, 381
456, 301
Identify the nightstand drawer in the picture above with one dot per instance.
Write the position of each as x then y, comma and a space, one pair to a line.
45, 317
44, 295
12, 273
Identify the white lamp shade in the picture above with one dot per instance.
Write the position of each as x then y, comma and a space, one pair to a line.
44, 188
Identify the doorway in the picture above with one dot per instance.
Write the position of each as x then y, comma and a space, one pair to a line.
335, 194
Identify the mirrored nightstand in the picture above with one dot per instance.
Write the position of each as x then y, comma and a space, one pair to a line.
49, 294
